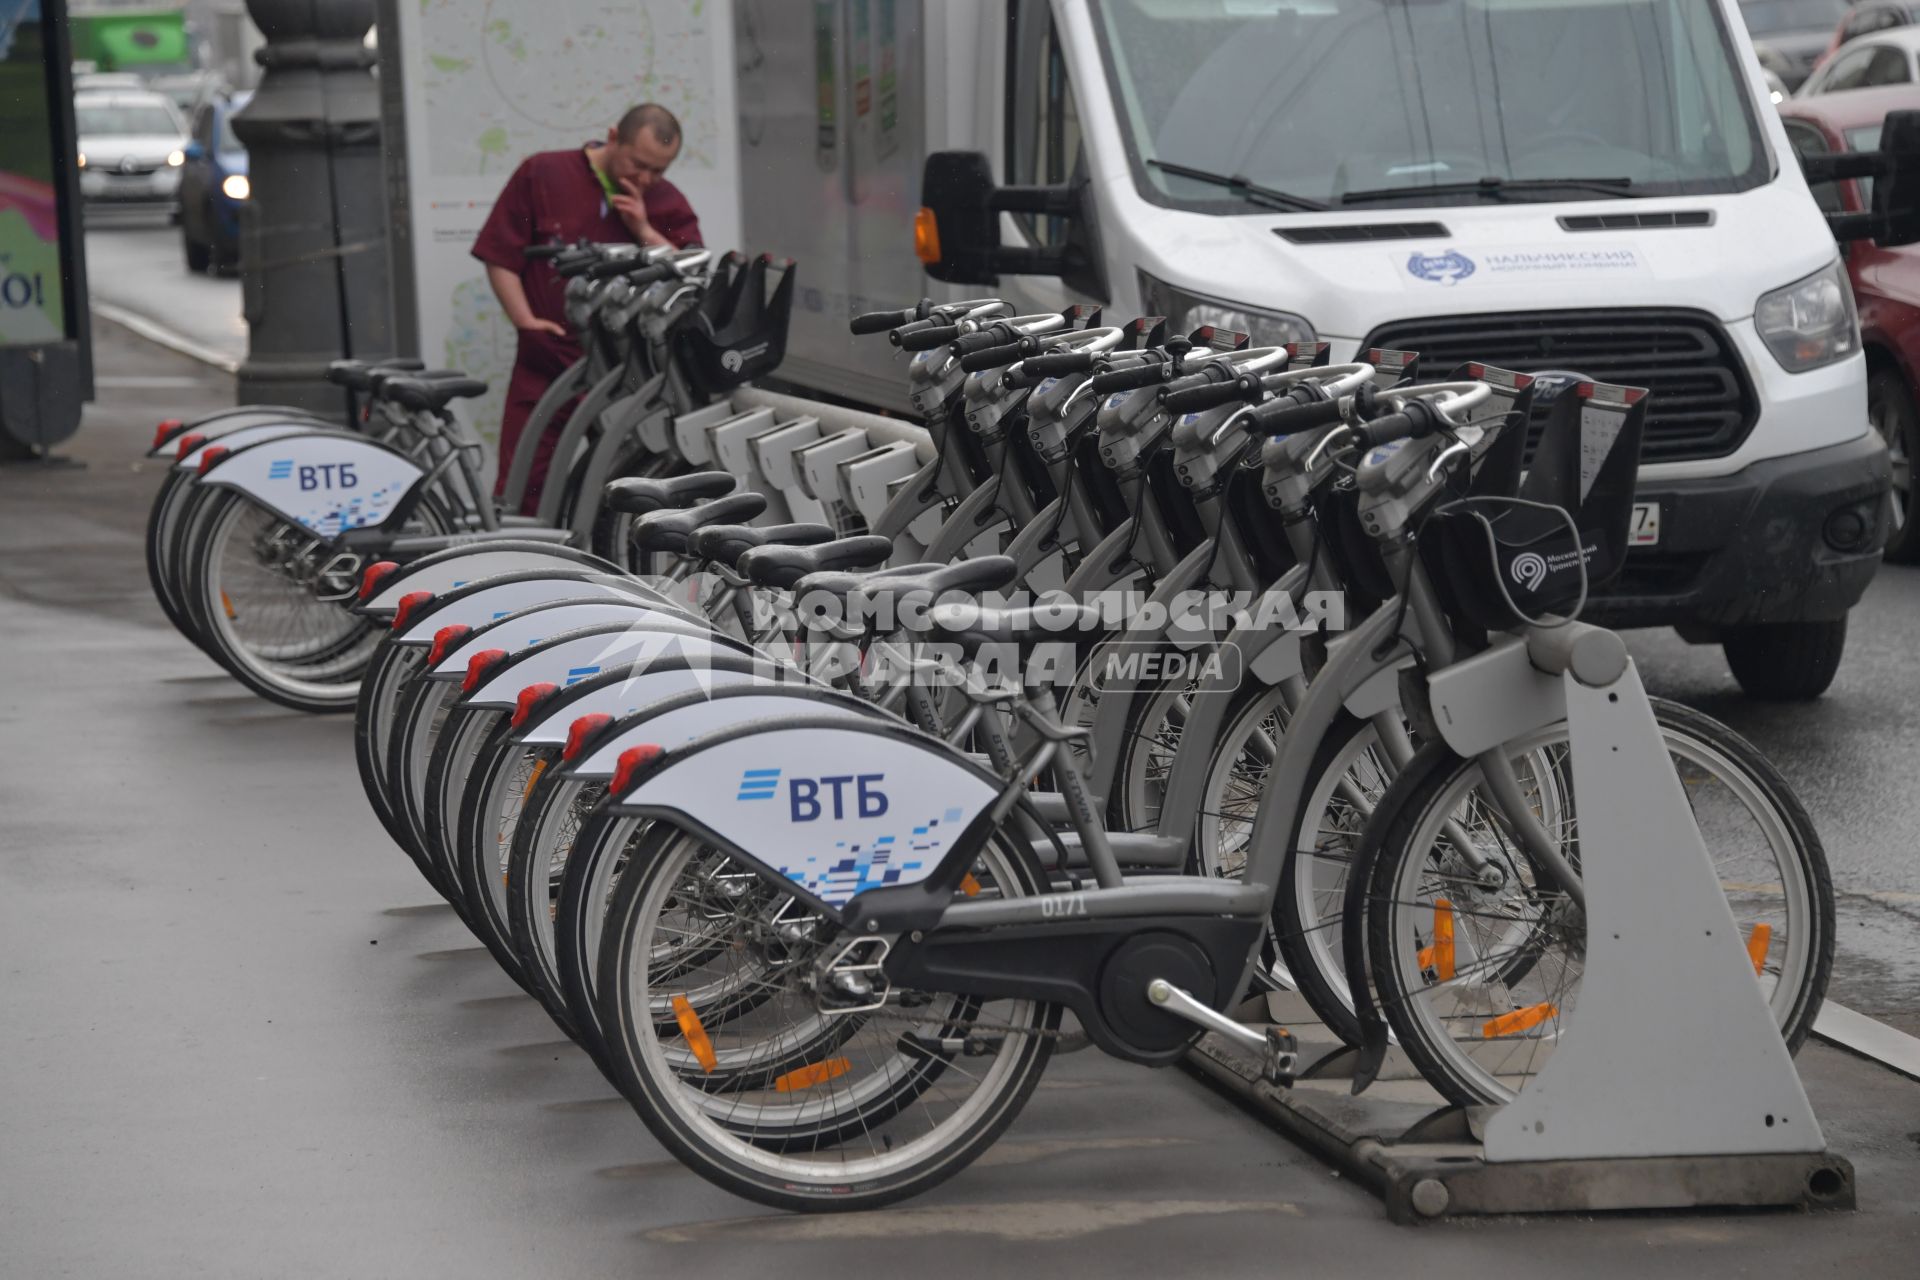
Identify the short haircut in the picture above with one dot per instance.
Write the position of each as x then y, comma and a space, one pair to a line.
652, 117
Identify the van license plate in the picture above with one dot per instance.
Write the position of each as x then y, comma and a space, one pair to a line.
1645, 530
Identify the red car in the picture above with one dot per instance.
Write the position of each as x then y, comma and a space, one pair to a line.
1886, 283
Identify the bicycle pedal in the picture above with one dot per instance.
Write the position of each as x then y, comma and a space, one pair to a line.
1283, 1058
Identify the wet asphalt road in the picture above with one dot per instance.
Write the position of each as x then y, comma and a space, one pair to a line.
242, 1041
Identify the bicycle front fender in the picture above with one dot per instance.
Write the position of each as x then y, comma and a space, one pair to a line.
241, 437
452, 568
545, 621
228, 421
677, 721
325, 481
579, 655
478, 603
831, 809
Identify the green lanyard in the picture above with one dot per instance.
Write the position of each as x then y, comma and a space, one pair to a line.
606, 183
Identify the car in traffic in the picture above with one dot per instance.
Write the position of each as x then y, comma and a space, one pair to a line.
1868, 17
214, 187
1789, 36
132, 146
1886, 283
1884, 58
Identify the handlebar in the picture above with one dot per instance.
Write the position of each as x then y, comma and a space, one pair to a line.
1054, 364
639, 270
881, 321
924, 339
983, 358
1132, 378
1245, 388
535, 252
1287, 415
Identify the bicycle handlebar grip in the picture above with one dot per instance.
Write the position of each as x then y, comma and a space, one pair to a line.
979, 340
1285, 416
1384, 430
1244, 388
537, 251
880, 321
927, 339
1054, 364
1145, 375
991, 357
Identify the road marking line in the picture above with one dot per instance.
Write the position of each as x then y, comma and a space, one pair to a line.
1869, 1037
153, 331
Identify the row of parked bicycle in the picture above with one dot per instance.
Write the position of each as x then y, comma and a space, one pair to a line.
790, 835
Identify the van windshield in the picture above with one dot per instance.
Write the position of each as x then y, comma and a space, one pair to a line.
1403, 102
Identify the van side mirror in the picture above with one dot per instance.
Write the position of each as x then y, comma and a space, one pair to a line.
957, 231
1895, 170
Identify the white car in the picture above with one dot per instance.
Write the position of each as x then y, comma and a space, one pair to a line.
132, 146
1883, 58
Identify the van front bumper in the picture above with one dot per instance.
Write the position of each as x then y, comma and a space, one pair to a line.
1783, 540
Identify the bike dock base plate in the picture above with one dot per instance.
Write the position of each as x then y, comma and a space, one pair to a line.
1426, 1160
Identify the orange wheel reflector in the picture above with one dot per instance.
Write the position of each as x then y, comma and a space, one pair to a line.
1757, 943
696, 1035
926, 236
533, 774
226, 602
1442, 940
970, 886
1512, 1024
814, 1073
1424, 958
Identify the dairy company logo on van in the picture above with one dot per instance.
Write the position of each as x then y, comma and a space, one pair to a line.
1441, 268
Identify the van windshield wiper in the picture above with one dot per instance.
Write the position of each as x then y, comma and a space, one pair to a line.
1491, 187
1242, 187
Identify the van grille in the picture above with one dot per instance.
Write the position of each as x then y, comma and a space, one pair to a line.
1636, 221
1702, 404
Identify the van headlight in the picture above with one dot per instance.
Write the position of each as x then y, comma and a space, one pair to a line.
1810, 322
236, 186
1188, 311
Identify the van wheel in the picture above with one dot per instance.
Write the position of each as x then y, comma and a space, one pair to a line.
1785, 661
1890, 408
198, 255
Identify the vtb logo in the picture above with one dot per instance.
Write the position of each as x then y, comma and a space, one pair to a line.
808, 799
322, 475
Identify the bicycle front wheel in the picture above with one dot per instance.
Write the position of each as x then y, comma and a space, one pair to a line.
1479, 973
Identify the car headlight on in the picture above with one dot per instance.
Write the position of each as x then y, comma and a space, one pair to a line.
175, 159
83, 159
1810, 322
1188, 311
236, 186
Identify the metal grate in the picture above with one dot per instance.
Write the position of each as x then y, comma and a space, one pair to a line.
1360, 232
1637, 221
1702, 404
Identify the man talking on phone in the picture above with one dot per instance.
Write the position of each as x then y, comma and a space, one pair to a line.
608, 191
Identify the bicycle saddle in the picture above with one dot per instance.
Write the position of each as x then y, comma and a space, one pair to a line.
973, 626
776, 566
639, 495
378, 378
669, 530
841, 583
355, 375
419, 393
984, 573
726, 543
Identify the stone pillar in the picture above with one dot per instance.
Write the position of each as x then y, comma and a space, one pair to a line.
313, 253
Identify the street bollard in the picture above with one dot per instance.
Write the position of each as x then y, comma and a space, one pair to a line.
313, 253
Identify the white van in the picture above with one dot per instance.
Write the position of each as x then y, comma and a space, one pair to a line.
1593, 185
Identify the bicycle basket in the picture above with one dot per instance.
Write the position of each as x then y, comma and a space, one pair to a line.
1499, 564
751, 342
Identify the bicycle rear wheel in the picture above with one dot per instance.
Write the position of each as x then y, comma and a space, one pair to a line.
902, 1100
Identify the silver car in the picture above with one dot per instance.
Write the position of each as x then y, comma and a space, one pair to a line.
132, 145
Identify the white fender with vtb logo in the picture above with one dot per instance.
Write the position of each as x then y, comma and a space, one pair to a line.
241, 438
625, 697
836, 811
531, 626
328, 482
569, 660
492, 603
682, 725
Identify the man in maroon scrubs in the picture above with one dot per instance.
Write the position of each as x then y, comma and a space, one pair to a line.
608, 191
